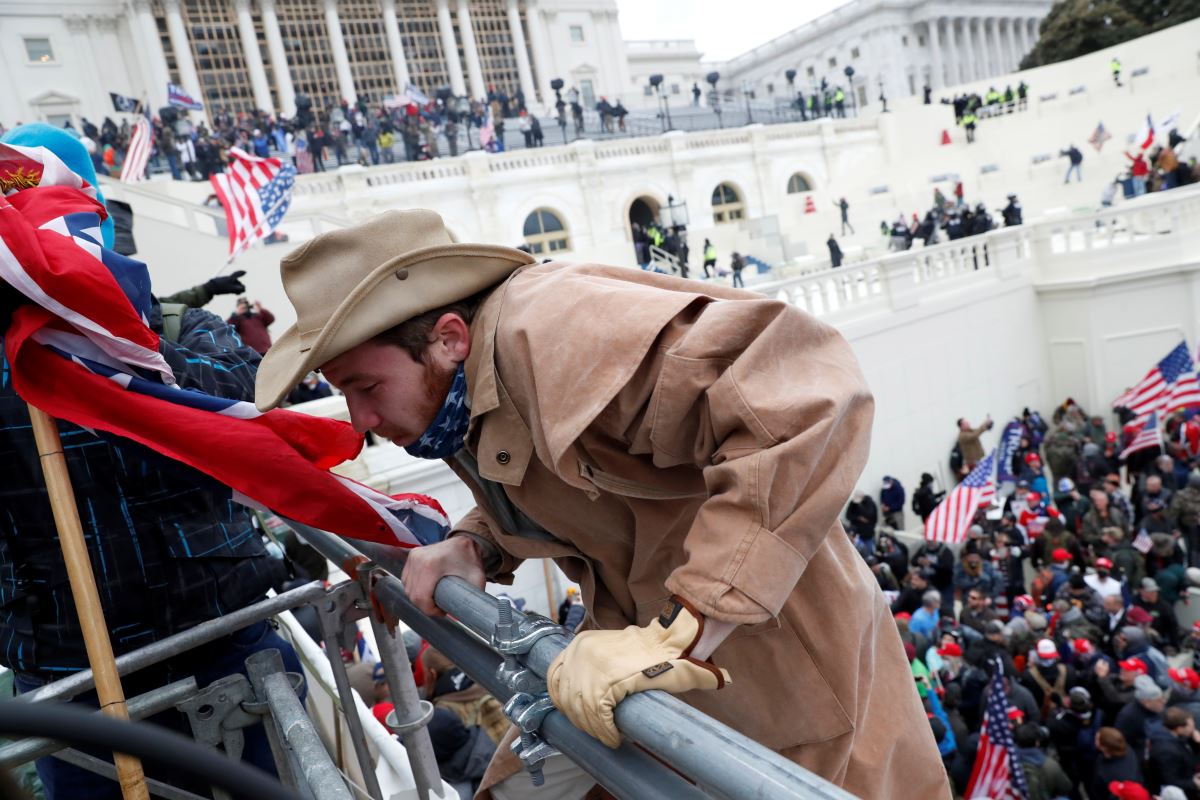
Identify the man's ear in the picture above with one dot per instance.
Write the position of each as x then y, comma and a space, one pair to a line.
453, 335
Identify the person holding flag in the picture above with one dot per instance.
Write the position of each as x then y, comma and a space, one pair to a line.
997, 774
170, 540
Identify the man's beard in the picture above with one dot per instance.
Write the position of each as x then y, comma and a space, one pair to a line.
437, 386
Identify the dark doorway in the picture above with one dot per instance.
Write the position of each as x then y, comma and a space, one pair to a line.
643, 211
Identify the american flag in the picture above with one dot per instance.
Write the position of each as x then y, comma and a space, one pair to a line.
256, 193
81, 351
1099, 136
141, 142
1146, 438
997, 774
1170, 385
952, 517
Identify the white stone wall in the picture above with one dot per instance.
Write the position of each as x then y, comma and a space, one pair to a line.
93, 47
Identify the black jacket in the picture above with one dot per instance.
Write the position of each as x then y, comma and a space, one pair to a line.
1172, 763
168, 548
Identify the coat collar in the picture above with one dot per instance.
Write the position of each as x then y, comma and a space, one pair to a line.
503, 447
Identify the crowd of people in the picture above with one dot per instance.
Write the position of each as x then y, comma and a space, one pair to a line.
1069, 584
419, 128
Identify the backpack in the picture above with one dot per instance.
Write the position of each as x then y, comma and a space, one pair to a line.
1035, 781
172, 320
956, 459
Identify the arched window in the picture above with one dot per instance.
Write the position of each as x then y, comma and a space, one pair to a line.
799, 183
546, 233
726, 203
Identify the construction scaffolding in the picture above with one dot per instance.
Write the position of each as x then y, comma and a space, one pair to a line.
502, 649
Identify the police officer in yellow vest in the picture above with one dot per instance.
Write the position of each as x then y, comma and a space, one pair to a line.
710, 259
1115, 66
839, 102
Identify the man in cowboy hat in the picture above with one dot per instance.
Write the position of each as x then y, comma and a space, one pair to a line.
683, 452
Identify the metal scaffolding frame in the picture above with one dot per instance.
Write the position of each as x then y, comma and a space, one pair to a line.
670, 752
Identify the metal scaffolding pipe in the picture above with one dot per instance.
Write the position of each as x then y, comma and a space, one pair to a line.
627, 772
726, 763
145, 705
303, 744
171, 646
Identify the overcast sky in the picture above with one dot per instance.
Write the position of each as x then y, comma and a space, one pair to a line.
722, 29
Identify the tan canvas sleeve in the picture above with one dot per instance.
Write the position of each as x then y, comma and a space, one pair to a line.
498, 565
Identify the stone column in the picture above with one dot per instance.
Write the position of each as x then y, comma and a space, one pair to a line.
953, 59
450, 49
95, 102
938, 79
518, 41
395, 45
1014, 49
146, 29
978, 51
1035, 29
993, 36
341, 61
279, 63
1023, 46
541, 52
253, 57
183, 49
471, 51
112, 66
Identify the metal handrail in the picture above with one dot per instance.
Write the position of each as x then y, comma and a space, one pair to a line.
720, 760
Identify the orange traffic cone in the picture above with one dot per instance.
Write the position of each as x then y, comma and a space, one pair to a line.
945, 136
809, 206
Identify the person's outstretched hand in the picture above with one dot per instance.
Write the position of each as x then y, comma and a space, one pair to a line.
226, 284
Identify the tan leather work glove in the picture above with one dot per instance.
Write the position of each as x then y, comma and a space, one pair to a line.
599, 669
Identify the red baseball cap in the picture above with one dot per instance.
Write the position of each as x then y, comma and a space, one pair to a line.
1138, 616
903, 615
1032, 457
1082, 646
1103, 563
1111, 436
1060, 554
1128, 790
1133, 665
1033, 498
949, 649
1186, 676
1016, 714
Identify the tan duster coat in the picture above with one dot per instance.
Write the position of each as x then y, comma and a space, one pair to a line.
677, 437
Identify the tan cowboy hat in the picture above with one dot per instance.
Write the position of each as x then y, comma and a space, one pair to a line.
350, 285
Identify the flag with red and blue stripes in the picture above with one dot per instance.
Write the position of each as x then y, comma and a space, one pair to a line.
82, 350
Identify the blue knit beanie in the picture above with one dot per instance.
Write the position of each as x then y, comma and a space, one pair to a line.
70, 151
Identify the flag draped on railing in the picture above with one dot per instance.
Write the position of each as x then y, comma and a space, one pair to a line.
82, 351
952, 518
256, 193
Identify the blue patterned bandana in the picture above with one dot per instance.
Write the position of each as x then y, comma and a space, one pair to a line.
444, 437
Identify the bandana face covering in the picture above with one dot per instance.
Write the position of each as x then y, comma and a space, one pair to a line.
444, 436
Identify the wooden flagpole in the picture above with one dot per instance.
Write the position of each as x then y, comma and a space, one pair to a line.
83, 589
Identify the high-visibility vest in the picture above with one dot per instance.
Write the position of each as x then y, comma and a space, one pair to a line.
710, 253
1115, 65
839, 96
968, 119
656, 237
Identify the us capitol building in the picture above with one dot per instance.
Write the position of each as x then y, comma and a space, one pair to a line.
61, 59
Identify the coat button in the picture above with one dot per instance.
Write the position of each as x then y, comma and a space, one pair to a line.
503, 457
